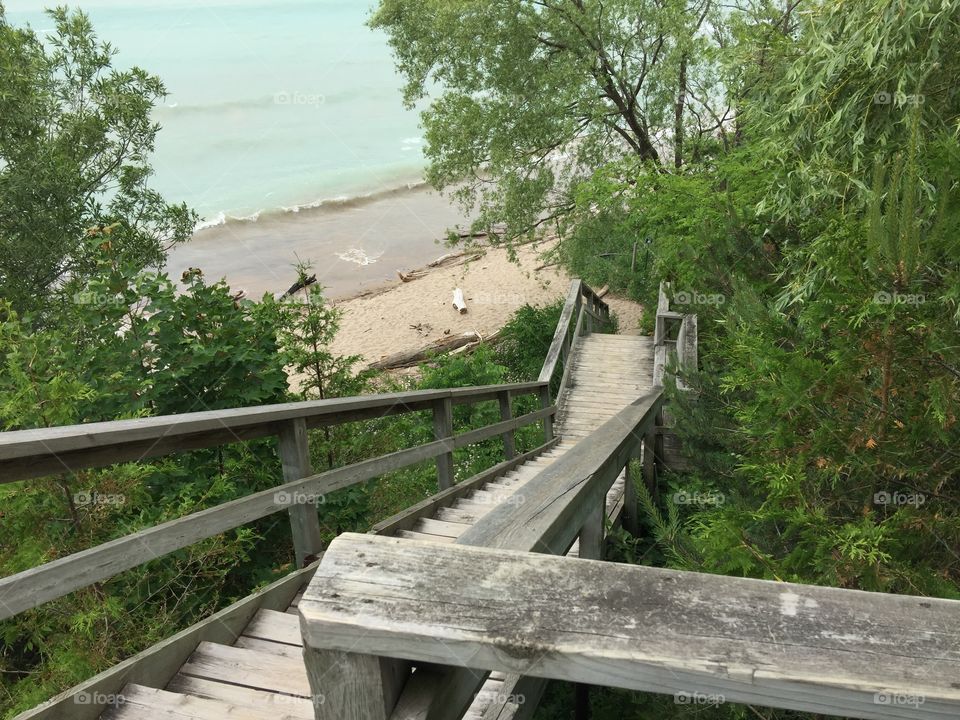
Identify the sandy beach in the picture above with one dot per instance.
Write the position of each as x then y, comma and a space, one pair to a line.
357, 249
410, 315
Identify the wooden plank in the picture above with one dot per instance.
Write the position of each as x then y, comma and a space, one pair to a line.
506, 413
144, 703
411, 535
297, 707
248, 668
288, 651
443, 430
427, 508
474, 436
156, 665
33, 587
557, 500
294, 450
275, 626
353, 686
798, 647
34, 453
563, 324
440, 527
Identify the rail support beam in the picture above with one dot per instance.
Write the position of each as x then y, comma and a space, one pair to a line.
351, 686
304, 522
506, 413
443, 430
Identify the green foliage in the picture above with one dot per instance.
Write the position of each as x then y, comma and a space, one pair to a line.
74, 143
525, 340
528, 96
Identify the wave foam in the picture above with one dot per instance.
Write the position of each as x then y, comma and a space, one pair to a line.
360, 257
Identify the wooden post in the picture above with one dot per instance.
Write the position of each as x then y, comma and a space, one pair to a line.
649, 463
631, 513
442, 430
591, 548
351, 686
591, 535
506, 413
658, 443
545, 402
295, 459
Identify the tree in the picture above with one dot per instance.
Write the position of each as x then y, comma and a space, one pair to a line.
307, 325
74, 147
529, 96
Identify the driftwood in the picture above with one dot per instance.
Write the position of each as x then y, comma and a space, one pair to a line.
459, 304
463, 257
412, 357
412, 275
300, 285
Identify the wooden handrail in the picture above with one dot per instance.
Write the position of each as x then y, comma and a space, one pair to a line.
26, 454
571, 313
30, 588
706, 639
561, 502
685, 344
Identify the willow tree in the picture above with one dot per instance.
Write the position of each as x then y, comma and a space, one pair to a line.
525, 97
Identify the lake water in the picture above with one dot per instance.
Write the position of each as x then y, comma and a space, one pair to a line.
273, 106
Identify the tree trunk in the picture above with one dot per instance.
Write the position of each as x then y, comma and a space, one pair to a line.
678, 114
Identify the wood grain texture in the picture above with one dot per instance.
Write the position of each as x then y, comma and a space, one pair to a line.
557, 501
33, 453
807, 648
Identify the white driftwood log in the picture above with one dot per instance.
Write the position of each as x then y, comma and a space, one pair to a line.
458, 302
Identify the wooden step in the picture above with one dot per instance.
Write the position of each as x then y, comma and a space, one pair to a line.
248, 668
275, 627
279, 705
441, 527
411, 535
274, 648
143, 703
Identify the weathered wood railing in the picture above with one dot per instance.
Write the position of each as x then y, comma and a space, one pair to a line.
583, 311
706, 639
564, 502
675, 338
65, 450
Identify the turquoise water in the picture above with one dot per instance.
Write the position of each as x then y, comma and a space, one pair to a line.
273, 106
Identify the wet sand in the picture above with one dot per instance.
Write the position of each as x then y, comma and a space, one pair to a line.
355, 246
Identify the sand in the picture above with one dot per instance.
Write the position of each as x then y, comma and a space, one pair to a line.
408, 316
358, 246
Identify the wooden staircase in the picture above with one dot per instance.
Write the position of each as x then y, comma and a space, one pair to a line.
263, 676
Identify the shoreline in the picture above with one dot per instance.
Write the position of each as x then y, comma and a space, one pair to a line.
355, 245
359, 246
